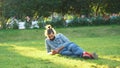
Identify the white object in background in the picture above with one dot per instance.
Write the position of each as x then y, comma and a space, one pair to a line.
21, 25
34, 24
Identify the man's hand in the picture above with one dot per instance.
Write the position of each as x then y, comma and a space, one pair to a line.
54, 52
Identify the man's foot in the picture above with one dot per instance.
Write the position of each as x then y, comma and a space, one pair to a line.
94, 56
87, 55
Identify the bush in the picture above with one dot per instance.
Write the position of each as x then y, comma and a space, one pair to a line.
98, 20
115, 20
2, 23
60, 22
15, 25
27, 25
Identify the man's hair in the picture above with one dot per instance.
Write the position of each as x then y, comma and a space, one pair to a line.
49, 30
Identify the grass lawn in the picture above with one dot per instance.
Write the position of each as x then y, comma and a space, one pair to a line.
25, 48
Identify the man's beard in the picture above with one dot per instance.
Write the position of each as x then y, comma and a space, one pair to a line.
52, 39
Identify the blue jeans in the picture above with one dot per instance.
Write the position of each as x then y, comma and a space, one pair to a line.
72, 50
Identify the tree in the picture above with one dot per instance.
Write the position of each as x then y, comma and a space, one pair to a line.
23, 8
112, 6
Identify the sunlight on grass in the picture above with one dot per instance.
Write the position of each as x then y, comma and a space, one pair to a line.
111, 57
66, 61
4, 44
57, 59
28, 51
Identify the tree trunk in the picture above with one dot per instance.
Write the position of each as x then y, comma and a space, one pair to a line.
98, 7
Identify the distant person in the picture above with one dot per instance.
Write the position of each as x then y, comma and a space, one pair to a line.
28, 22
60, 44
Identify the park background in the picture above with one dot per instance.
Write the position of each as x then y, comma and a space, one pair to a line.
93, 24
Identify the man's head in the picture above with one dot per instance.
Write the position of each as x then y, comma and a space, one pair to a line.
50, 32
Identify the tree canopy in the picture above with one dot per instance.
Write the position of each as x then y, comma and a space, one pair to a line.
22, 8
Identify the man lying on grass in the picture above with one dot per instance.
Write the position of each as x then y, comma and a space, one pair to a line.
60, 44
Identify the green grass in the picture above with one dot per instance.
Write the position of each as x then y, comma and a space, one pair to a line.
25, 48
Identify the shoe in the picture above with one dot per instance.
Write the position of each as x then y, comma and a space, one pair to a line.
87, 56
94, 56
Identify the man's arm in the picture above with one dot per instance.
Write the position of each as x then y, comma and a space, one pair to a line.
56, 51
48, 48
59, 49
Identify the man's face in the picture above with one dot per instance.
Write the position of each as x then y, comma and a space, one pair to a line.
51, 36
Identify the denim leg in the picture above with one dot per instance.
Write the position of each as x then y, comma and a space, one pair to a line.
76, 49
66, 52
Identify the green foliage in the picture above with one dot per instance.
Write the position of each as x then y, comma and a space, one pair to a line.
115, 20
112, 6
27, 25
34, 8
22, 8
15, 25
98, 20
93, 21
2, 23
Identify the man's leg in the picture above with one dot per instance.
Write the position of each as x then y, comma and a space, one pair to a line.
66, 52
76, 49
